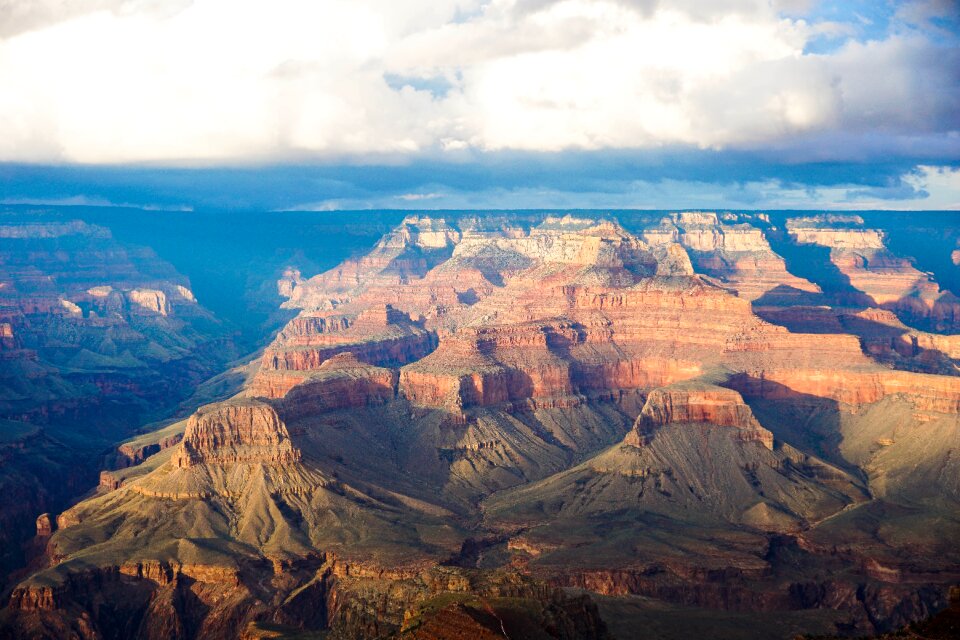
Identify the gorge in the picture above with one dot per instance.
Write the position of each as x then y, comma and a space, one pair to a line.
534, 424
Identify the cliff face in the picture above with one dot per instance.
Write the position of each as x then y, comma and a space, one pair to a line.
342, 382
735, 253
377, 336
870, 274
247, 431
480, 410
609, 340
926, 392
697, 404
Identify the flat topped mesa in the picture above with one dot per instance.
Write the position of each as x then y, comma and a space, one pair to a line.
588, 242
694, 403
838, 238
245, 430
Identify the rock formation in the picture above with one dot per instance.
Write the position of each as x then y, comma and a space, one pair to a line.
379, 336
871, 275
738, 255
227, 433
483, 410
697, 404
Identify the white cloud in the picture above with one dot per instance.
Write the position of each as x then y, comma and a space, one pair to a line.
113, 81
71, 201
416, 197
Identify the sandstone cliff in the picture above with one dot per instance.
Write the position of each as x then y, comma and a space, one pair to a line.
698, 404
241, 431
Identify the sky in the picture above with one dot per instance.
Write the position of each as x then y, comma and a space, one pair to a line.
433, 104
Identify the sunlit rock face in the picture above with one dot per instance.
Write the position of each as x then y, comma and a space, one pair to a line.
698, 405
736, 253
874, 276
484, 409
238, 432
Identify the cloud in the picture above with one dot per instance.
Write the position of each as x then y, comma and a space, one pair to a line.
416, 197
668, 194
370, 81
88, 201
21, 16
505, 180
70, 201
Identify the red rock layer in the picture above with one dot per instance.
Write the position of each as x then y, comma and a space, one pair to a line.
927, 392
342, 382
697, 404
129, 455
605, 340
882, 336
236, 431
379, 335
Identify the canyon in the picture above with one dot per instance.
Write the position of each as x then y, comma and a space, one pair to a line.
491, 425
99, 338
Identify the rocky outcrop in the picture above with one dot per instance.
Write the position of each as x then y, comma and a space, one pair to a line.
408, 252
134, 453
925, 392
377, 336
342, 382
609, 340
697, 403
46, 525
386, 349
290, 280
871, 239
151, 300
234, 432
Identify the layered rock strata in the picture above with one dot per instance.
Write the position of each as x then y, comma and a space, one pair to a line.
870, 275
623, 418
698, 404
736, 253
247, 431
